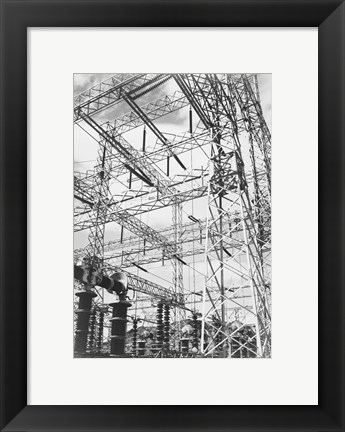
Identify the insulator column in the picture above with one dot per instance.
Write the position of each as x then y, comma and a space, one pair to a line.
166, 329
184, 346
83, 313
160, 336
195, 341
100, 331
118, 328
92, 335
135, 334
141, 348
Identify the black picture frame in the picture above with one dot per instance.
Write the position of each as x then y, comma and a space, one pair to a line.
16, 17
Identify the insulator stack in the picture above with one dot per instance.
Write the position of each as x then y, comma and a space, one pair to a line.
151, 87
141, 348
92, 334
83, 313
135, 334
184, 346
160, 336
166, 330
118, 327
195, 341
190, 120
100, 331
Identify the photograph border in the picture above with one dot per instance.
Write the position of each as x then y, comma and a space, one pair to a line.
16, 18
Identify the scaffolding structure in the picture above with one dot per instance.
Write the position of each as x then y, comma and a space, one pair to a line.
177, 202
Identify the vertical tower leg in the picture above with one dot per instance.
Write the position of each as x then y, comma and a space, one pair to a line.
177, 268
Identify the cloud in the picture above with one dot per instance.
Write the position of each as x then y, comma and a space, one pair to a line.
83, 81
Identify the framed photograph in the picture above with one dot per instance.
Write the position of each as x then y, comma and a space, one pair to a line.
172, 215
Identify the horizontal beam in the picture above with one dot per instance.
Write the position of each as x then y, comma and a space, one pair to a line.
109, 92
128, 155
149, 123
153, 110
116, 213
152, 203
154, 290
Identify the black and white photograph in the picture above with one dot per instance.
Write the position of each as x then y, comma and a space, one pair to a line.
172, 215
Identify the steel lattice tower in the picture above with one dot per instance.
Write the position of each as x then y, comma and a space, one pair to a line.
232, 177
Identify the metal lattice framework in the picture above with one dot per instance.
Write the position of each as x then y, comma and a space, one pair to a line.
222, 163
